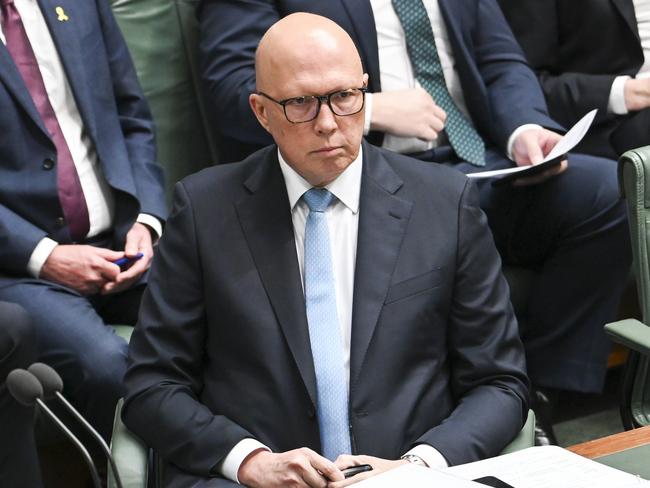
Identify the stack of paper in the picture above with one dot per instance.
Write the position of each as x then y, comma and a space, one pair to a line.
548, 467
535, 467
410, 475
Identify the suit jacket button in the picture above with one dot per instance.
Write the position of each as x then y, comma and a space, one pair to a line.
48, 164
60, 222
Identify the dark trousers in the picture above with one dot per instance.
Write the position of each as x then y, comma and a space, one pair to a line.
19, 465
74, 338
572, 229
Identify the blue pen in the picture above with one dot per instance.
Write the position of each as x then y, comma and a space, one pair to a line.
126, 260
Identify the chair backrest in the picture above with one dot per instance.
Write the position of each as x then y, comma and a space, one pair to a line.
162, 36
634, 178
525, 438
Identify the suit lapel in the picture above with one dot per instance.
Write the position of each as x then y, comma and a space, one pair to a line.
14, 82
68, 44
265, 218
363, 23
626, 9
383, 219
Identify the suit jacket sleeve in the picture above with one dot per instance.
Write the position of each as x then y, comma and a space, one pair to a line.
134, 117
166, 356
511, 87
569, 94
18, 238
230, 33
487, 365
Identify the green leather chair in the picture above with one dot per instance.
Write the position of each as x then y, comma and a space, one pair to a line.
634, 180
162, 36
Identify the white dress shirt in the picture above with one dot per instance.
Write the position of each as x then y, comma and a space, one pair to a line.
396, 71
97, 192
343, 223
617, 93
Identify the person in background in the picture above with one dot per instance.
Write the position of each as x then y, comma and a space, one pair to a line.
449, 84
80, 189
324, 303
591, 54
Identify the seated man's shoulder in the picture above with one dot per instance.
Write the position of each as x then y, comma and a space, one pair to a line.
226, 179
431, 174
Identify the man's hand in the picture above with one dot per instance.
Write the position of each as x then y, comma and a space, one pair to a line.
86, 269
379, 466
138, 240
298, 468
407, 113
530, 147
637, 94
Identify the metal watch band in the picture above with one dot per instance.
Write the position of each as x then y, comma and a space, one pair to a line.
414, 459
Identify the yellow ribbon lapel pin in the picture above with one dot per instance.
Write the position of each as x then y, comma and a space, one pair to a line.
61, 15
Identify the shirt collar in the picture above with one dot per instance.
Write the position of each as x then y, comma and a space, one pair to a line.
346, 187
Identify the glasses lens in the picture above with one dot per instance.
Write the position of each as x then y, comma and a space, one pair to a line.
301, 109
347, 102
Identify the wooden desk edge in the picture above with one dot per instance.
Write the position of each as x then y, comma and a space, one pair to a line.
613, 443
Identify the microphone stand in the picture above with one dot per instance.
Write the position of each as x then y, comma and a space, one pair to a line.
98, 437
73, 438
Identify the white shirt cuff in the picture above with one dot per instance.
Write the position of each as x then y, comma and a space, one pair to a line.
229, 466
515, 134
616, 103
39, 255
430, 455
368, 114
152, 222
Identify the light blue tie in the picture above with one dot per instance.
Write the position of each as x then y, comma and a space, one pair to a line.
324, 331
421, 45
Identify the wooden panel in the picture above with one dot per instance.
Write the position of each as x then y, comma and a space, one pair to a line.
613, 443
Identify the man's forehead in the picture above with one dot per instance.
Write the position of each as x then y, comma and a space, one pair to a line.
312, 75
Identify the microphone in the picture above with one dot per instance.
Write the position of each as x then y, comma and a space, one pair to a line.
27, 390
52, 385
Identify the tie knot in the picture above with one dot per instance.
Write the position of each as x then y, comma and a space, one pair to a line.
318, 199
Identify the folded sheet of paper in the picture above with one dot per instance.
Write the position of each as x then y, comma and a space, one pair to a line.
548, 466
409, 475
564, 145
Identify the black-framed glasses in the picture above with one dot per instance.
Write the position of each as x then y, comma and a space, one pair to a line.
306, 108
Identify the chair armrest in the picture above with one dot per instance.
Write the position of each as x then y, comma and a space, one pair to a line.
130, 454
631, 333
525, 438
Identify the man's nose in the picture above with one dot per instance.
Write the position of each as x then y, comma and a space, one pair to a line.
325, 122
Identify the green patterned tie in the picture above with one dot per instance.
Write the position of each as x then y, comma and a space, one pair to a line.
413, 16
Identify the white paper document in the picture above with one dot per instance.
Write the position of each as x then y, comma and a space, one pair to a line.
564, 145
548, 467
411, 476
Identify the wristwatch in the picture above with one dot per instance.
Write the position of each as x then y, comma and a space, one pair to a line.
415, 459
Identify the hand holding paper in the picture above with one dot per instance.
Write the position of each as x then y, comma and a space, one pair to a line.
553, 157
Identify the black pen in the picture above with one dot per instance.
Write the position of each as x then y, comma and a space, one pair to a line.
352, 470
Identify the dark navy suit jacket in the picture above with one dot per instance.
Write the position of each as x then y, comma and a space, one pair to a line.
500, 90
221, 351
577, 49
115, 116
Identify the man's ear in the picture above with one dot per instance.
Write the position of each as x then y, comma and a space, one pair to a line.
259, 109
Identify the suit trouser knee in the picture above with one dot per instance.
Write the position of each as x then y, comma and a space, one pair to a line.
75, 341
573, 230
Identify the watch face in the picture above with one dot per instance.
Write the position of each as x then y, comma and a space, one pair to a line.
414, 459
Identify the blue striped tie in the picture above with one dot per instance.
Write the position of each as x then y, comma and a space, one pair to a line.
467, 143
324, 331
